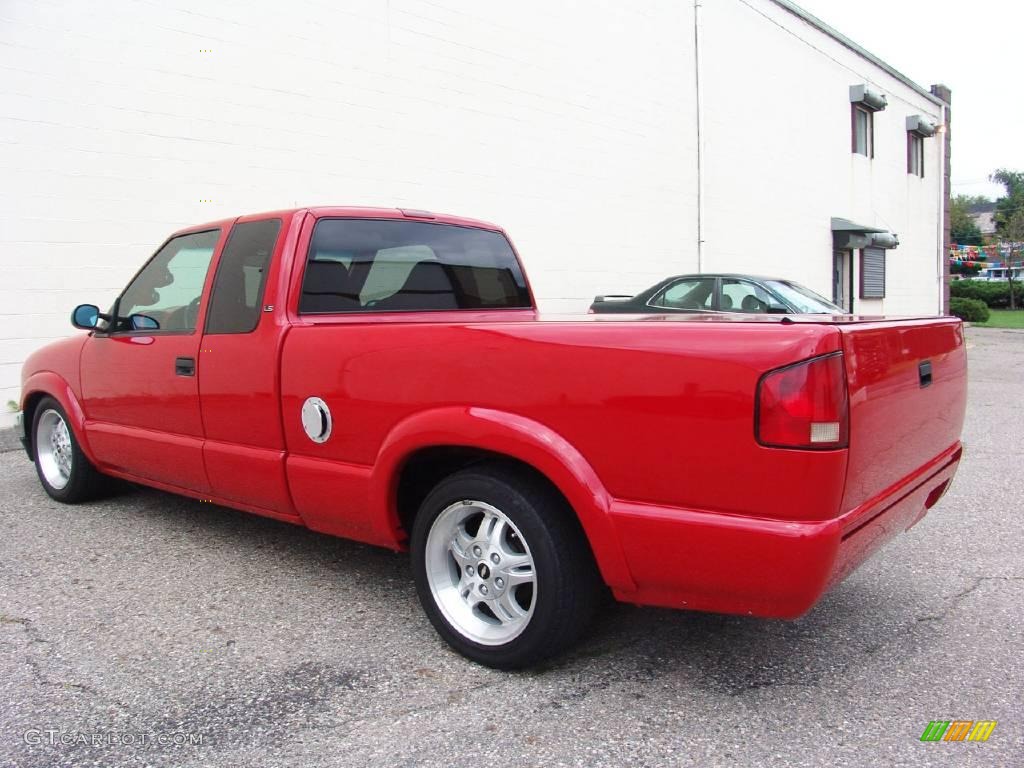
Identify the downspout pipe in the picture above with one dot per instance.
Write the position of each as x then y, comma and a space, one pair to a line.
945, 96
699, 98
943, 264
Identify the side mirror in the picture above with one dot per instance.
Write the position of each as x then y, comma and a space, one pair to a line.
85, 316
143, 323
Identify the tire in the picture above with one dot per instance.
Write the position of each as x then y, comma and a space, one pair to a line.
502, 567
64, 471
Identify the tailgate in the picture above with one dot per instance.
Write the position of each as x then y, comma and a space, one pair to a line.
899, 418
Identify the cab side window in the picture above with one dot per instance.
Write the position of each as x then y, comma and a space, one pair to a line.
242, 277
169, 288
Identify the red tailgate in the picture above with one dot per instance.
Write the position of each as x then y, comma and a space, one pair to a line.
908, 391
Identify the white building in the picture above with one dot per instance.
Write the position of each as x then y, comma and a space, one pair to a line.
618, 143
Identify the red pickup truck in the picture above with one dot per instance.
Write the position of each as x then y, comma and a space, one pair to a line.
383, 375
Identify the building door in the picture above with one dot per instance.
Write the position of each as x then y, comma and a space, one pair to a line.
842, 279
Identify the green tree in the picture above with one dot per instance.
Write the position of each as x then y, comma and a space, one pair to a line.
1014, 233
1012, 201
964, 269
972, 199
965, 231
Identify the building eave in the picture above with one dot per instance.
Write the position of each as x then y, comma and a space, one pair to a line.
842, 39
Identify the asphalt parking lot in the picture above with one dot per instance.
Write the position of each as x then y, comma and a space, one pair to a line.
269, 645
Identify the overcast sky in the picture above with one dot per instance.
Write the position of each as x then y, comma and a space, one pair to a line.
974, 48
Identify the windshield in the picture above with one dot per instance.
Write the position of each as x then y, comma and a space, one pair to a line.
804, 299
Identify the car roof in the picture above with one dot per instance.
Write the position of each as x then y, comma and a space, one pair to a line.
738, 275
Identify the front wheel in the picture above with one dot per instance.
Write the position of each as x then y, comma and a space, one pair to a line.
64, 471
502, 567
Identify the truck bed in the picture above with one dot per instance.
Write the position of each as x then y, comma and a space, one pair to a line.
696, 513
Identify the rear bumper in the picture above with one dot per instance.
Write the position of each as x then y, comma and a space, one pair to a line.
732, 564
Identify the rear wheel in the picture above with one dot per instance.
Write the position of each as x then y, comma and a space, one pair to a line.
502, 567
65, 472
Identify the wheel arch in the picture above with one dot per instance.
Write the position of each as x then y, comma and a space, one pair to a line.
430, 445
49, 384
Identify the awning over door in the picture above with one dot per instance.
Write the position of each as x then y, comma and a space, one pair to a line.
845, 225
849, 235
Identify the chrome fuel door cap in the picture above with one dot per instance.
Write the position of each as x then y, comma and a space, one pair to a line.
316, 419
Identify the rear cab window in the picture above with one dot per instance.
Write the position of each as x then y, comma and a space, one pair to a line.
392, 265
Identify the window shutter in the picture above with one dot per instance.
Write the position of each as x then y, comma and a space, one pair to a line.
872, 273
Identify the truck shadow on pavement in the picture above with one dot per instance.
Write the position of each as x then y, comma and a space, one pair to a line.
725, 654
149, 612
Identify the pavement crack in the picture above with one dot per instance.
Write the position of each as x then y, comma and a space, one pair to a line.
959, 597
454, 696
38, 674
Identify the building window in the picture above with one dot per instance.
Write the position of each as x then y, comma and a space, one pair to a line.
872, 273
915, 154
864, 102
863, 131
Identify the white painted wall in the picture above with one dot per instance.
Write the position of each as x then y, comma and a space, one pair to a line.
572, 124
568, 123
778, 157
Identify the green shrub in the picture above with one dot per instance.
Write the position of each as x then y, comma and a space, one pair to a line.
995, 294
971, 310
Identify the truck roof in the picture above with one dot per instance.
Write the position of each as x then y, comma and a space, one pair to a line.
354, 211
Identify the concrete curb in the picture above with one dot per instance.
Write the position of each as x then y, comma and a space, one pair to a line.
9, 440
989, 329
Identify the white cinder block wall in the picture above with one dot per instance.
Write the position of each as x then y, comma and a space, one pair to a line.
778, 161
571, 124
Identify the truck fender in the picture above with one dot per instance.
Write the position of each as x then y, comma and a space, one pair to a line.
49, 383
520, 438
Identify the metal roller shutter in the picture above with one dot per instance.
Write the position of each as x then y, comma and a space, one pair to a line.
872, 273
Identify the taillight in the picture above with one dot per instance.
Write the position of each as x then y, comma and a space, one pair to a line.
804, 405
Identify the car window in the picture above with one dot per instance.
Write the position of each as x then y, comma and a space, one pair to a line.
804, 299
388, 265
691, 293
744, 296
169, 287
241, 277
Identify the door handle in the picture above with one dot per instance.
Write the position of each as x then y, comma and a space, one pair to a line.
185, 366
924, 373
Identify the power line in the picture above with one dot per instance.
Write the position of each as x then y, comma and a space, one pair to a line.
1011, 209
